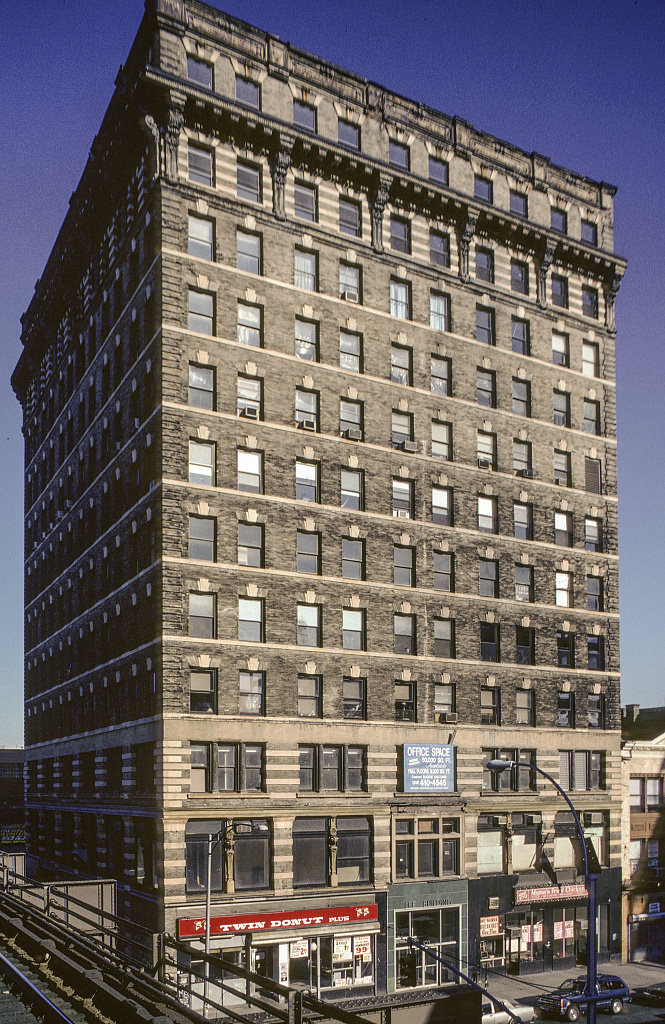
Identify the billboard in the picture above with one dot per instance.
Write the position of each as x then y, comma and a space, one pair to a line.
429, 768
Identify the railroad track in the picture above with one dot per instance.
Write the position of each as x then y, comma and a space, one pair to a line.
26, 999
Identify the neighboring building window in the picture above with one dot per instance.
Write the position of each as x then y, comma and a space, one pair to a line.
252, 693
565, 649
560, 291
525, 645
398, 155
563, 529
249, 397
307, 340
523, 583
592, 475
200, 237
202, 691
200, 72
404, 629
404, 566
401, 429
490, 705
438, 170
525, 710
308, 618
518, 204
564, 589
400, 299
202, 538
595, 653
304, 115
482, 188
486, 388
439, 311
654, 794
201, 392
308, 552
248, 92
305, 270
590, 302
488, 514
353, 559
352, 489
590, 359
559, 220
305, 202
307, 481
565, 714
561, 409
350, 282
250, 545
351, 419
202, 616
350, 218
519, 334
560, 355
637, 787
521, 397
484, 325
248, 182
594, 594
442, 435
350, 351
591, 416
353, 629
489, 642
400, 364
486, 449
519, 277
439, 249
581, 770
522, 521
251, 620
405, 702
354, 698
444, 647
201, 463
402, 498
250, 324
310, 697
443, 571
201, 312
348, 134
400, 235
484, 265
199, 165
596, 714
440, 375
250, 471
562, 471
444, 695
442, 506
589, 232
488, 577
248, 252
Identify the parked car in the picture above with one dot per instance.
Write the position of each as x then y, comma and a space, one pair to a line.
569, 1000
493, 1014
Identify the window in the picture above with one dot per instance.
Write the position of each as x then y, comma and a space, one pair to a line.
444, 647
350, 282
525, 645
637, 787
352, 489
402, 498
252, 857
443, 567
442, 506
401, 429
488, 577
307, 409
595, 601
489, 641
310, 838
525, 710
438, 170
351, 419
522, 521
353, 629
250, 325
200, 237
249, 397
354, 698
201, 392
310, 697
400, 364
201, 463
512, 779
202, 538
590, 359
305, 273
304, 115
484, 265
559, 220
250, 620
581, 770
565, 649
250, 545
350, 218
439, 311
398, 155
199, 165
248, 182
592, 475
247, 92
654, 794
521, 397
591, 416
332, 769
196, 847
405, 702
202, 615
439, 249
252, 693
400, 234
518, 204
248, 252
565, 714
561, 407
350, 351
589, 232
305, 202
306, 340
240, 767
482, 188
404, 630
564, 589
488, 518
354, 842
562, 473
595, 653
426, 848
486, 450
560, 291
519, 277
201, 312
400, 299
486, 388
202, 691
519, 334
524, 583
596, 713
404, 566
490, 705
440, 375
522, 458
250, 471
590, 302
348, 134
560, 349
353, 559
308, 552
200, 72
308, 619
442, 447
484, 325
563, 529
307, 481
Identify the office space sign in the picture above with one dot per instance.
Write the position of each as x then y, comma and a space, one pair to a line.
429, 768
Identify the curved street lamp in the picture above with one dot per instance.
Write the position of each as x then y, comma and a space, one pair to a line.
214, 839
500, 764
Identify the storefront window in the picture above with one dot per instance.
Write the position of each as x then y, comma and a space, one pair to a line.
524, 935
437, 929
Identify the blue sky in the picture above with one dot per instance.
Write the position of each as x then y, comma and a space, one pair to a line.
581, 83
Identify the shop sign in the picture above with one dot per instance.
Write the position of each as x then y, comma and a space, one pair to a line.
538, 932
297, 950
551, 892
558, 929
238, 924
489, 926
526, 934
362, 947
570, 929
654, 908
429, 768
342, 949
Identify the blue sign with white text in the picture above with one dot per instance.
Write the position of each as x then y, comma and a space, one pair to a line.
429, 768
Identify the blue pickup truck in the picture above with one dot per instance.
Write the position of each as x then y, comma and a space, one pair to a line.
570, 999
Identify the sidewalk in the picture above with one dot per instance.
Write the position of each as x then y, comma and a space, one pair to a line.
525, 988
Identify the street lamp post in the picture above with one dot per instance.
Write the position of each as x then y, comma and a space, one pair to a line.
214, 838
500, 764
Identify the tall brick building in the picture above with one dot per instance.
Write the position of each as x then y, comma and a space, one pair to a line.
320, 487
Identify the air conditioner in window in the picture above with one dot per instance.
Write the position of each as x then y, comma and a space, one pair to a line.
524, 472
249, 412
410, 446
353, 434
499, 819
593, 818
350, 294
519, 818
402, 513
533, 819
306, 424
448, 716
484, 463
